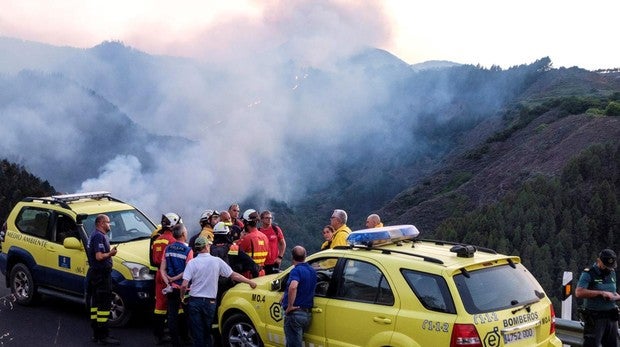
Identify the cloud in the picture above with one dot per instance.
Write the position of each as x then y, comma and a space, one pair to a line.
312, 33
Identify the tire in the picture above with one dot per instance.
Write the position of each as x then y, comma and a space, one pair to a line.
119, 313
22, 285
239, 331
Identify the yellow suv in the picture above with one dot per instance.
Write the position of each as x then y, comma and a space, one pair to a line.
389, 288
42, 250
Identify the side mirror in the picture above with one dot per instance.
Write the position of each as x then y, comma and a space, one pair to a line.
276, 284
72, 243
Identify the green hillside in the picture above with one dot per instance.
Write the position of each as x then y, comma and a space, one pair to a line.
555, 224
17, 183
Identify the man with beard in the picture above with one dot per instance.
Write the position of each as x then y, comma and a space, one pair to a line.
99, 279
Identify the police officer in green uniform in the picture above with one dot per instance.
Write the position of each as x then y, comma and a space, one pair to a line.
597, 286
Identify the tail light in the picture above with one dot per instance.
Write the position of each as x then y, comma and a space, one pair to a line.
465, 335
552, 328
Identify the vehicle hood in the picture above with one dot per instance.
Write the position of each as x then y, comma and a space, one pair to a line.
133, 251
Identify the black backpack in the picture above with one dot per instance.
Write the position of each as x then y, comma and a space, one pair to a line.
220, 250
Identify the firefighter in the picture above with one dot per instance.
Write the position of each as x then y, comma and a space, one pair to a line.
254, 243
166, 237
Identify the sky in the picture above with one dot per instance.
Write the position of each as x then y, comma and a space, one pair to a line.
486, 32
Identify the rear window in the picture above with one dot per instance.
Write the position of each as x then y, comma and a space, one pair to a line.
497, 288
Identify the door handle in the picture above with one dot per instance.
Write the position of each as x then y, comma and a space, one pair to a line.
317, 310
382, 320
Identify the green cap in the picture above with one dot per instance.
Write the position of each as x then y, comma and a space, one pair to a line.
201, 242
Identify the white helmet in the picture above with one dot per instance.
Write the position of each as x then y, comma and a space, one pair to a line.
250, 215
170, 219
221, 228
205, 215
208, 214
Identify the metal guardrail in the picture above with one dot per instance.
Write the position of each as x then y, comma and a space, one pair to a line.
570, 332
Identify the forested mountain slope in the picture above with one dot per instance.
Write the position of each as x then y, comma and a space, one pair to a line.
17, 183
538, 135
543, 183
555, 223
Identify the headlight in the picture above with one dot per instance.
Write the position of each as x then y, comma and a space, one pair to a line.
138, 271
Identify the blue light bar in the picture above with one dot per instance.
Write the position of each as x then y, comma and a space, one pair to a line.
384, 235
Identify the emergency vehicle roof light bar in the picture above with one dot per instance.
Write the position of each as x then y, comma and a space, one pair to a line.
78, 196
384, 235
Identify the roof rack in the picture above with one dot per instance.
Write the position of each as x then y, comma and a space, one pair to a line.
64, 199
477, 248
390, 251
426, 258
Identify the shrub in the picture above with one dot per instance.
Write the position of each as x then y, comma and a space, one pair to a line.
613, 109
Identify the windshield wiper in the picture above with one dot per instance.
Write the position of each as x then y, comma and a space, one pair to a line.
139, 238
527, 306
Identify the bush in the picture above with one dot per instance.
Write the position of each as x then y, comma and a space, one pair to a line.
595, 112
613, 109
541, 128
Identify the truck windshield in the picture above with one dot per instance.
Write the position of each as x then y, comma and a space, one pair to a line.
125, 226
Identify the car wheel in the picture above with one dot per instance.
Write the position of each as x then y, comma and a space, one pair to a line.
22, 285
119, 314
238, 330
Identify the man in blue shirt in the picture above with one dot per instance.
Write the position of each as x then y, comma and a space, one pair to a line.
176, 257
597, 286
99, 277
298, 298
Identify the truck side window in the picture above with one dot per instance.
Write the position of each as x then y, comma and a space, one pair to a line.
366, 283
65, 227
35, 222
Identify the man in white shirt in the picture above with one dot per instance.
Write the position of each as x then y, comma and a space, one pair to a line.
204, 271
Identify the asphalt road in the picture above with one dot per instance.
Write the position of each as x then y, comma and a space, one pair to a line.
57, 322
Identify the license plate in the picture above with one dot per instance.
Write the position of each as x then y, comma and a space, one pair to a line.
518, 335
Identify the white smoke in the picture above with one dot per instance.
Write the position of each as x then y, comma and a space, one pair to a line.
255, 93
242, 127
